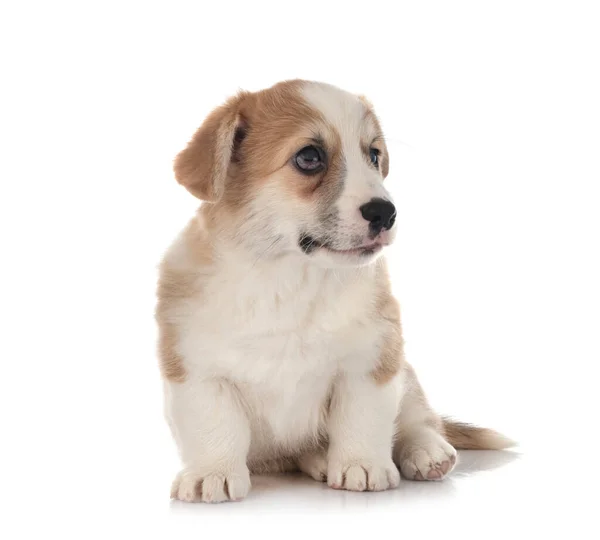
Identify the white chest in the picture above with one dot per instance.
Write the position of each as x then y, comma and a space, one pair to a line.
281, 337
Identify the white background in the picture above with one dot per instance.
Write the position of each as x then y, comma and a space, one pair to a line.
492, 111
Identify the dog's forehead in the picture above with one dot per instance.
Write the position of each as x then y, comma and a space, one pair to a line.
341, 110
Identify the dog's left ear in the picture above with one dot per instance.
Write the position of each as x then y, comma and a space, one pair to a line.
203, 166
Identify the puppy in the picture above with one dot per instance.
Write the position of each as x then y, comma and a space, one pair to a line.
280, 343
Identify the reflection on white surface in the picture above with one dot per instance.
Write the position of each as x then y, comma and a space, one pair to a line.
299, 493
491, 495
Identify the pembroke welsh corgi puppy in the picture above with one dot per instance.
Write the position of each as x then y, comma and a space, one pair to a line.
280, 342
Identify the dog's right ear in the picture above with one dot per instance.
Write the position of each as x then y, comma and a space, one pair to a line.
203, 165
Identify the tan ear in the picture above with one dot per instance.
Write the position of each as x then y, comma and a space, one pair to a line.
203, 165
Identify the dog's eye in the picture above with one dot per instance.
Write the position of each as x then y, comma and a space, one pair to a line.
374, 155
310, 160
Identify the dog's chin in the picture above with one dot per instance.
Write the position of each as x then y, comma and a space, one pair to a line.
328, 256
347, 258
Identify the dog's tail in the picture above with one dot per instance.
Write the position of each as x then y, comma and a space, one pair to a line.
467, 437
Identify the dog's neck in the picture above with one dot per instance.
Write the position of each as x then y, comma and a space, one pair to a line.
285, 293
289, 271
270, 279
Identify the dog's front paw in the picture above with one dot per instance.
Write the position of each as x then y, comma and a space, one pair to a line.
192, 485
362, 474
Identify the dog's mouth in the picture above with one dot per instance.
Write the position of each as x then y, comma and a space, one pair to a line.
310, 244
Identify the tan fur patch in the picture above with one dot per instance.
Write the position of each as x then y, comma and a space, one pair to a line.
387, 310
390, 358
280, 123
172, 289
469, 437
171, 364
202, 167
176, 285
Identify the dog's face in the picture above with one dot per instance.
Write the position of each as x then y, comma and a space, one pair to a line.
298, 167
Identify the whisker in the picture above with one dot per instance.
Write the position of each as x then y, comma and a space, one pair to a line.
267, 250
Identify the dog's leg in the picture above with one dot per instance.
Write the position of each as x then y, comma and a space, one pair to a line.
360, 429
213, 436
420, 451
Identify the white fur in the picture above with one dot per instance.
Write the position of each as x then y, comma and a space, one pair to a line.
425, 456
283, 328
361, 431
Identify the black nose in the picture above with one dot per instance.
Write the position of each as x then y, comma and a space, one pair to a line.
380, 213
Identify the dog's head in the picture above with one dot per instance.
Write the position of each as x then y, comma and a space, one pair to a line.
298, 167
